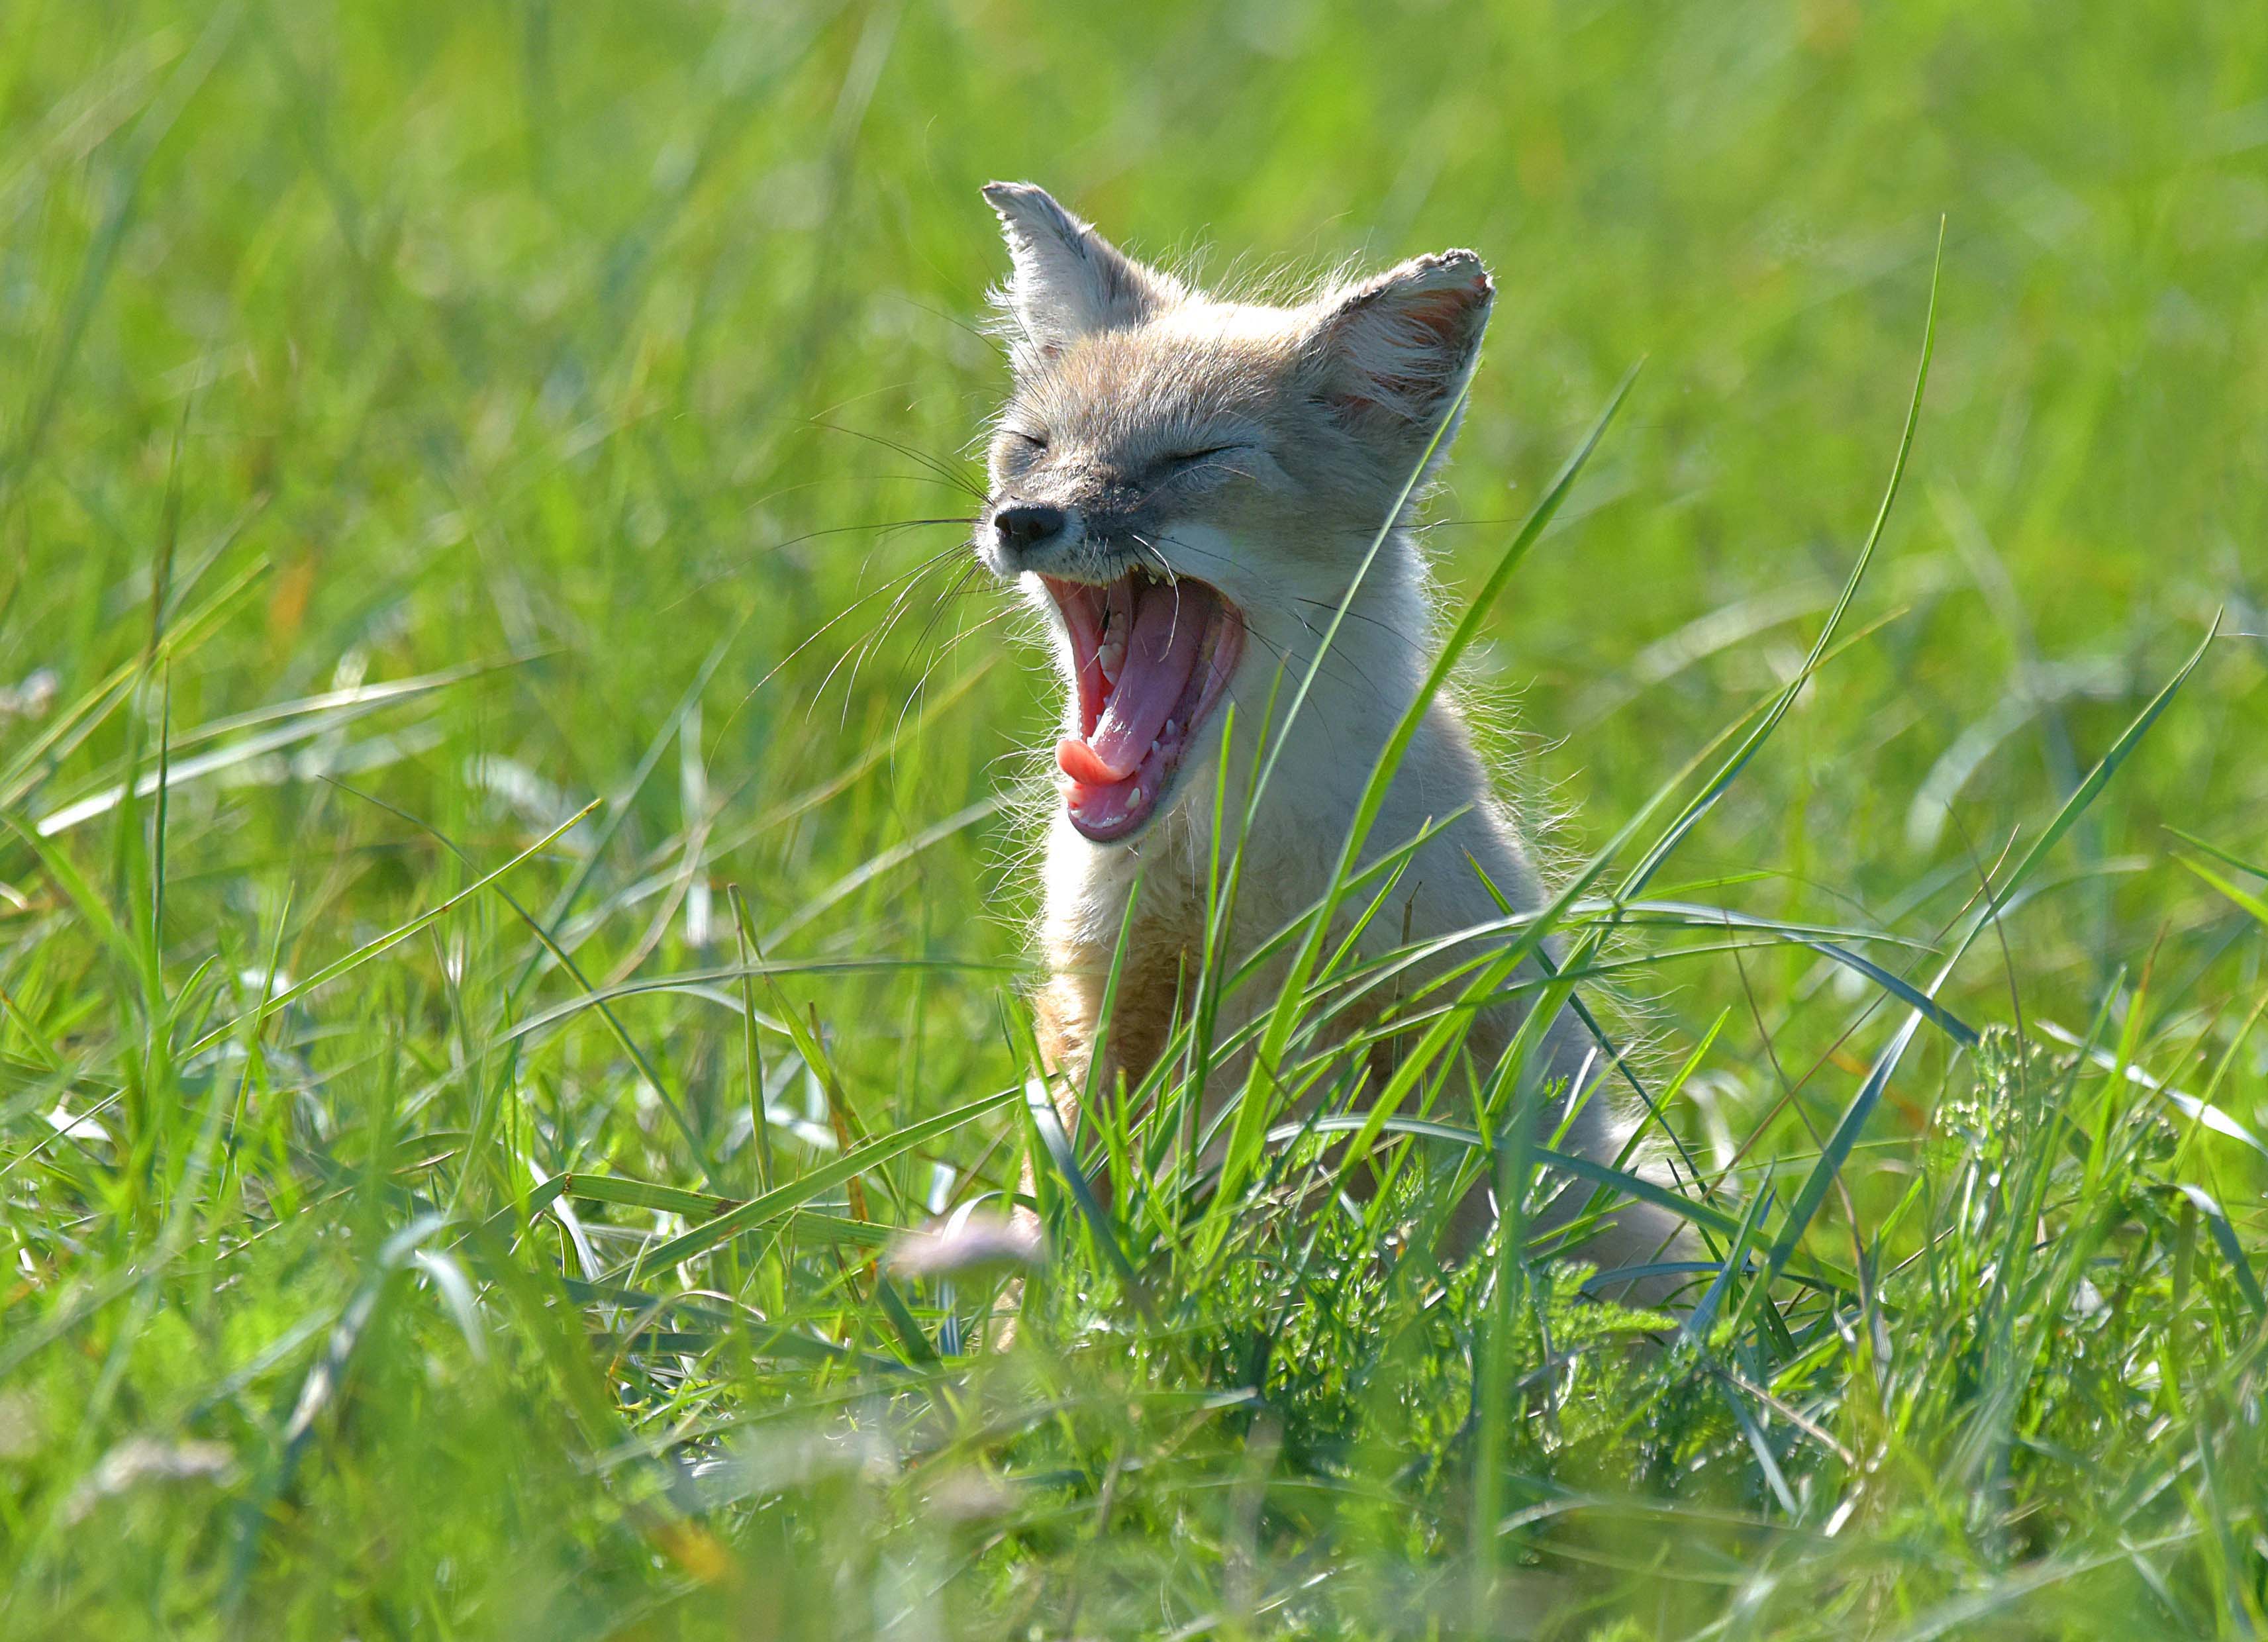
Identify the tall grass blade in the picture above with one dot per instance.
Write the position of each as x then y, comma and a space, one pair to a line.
762, 1211
1838, 1150
1269, 1055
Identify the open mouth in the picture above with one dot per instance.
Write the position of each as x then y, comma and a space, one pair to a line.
1150, 660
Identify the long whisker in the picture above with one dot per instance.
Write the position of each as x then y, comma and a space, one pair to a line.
1387, 628
881, 633
1459, 524
1342, 656
856, 653
847, 610
1330, 658
777, 491
886, 526
981, 335
961, 636
966, 583
889, 531
942, 469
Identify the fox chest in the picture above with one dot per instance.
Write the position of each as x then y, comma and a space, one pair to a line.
1164, 951
1133, 1021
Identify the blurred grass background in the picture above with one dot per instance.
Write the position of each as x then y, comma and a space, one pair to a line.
602, 347
511, 329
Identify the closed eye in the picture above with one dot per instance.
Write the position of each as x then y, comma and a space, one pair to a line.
1190, 459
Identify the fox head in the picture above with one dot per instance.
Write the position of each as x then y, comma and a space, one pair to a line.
1187, 486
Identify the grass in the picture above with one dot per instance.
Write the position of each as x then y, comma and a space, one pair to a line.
510, 892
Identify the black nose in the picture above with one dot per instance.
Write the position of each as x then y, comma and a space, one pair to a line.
1024, 526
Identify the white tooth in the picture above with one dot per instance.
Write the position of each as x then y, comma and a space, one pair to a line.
1133, 797
1165, 734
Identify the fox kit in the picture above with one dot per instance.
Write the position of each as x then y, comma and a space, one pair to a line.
1184, 487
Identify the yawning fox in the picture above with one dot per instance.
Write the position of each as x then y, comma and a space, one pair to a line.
1184, 486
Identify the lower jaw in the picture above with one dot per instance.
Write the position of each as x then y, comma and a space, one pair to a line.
1097, 824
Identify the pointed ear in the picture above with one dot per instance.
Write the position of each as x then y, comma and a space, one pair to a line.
1391, 354
1069, 281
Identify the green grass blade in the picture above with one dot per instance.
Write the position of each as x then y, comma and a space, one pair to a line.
1269, 1056
2231, 1247
1833, 1155
365, 952
762, 1211
1704, 802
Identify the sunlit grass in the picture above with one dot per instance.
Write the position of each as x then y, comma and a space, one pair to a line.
513, 873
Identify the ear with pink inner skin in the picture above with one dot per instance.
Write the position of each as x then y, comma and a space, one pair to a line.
1391, 354
1068, 281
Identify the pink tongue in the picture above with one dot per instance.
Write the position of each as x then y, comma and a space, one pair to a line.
1161, 652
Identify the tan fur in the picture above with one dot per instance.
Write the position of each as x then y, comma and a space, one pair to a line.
1163, 949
